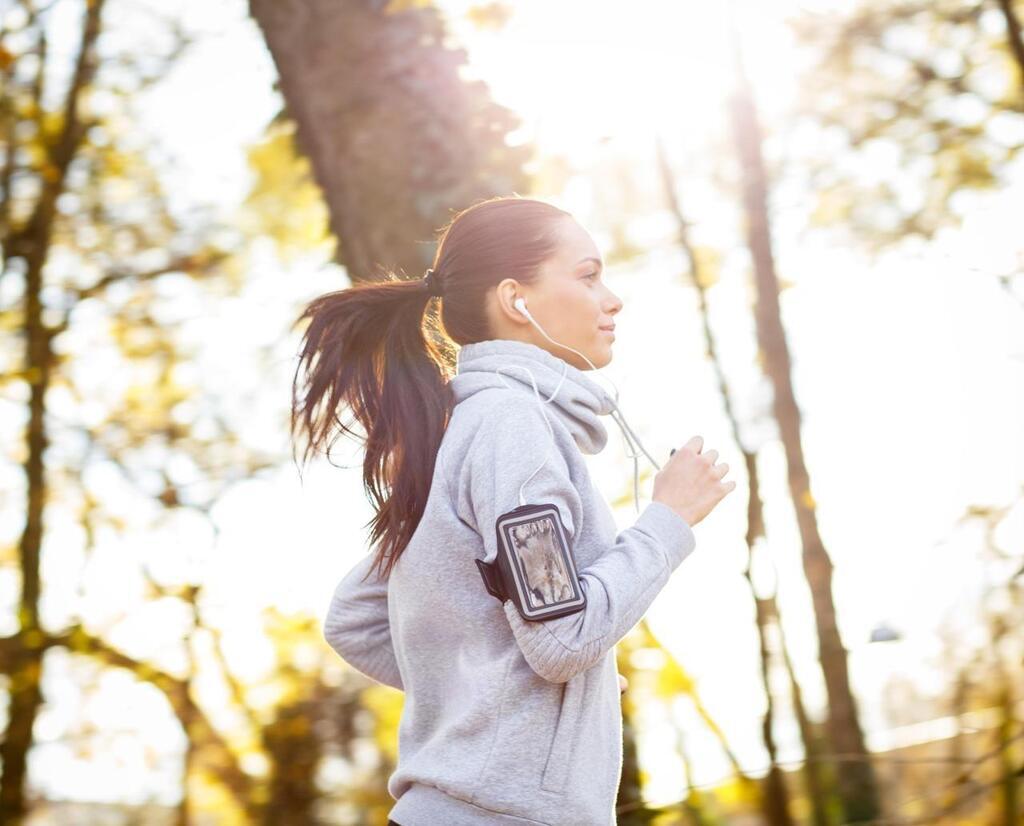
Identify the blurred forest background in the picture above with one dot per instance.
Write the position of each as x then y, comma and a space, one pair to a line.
815, 215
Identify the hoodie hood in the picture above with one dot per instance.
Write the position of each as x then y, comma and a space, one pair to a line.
578, 401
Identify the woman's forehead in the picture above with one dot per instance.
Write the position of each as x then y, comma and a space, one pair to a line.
576, 246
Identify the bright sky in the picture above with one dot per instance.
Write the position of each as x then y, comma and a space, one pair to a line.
909, 374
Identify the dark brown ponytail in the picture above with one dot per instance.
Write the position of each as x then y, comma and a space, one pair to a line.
383, 351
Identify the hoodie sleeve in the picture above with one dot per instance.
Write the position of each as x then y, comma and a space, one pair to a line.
619, 585
357, 625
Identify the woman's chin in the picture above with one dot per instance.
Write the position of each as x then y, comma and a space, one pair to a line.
602, 355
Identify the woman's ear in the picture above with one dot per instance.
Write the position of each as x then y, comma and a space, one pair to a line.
509, 295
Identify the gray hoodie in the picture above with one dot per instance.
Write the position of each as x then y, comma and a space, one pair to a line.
505, 720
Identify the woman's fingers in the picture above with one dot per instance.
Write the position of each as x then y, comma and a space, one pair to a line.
623, 682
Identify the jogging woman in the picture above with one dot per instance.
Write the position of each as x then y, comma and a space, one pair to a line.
502, 638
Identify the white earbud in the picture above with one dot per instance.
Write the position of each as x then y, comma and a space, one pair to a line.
520, 304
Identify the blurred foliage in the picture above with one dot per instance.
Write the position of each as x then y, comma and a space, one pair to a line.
928, 90
281, 174
127, 439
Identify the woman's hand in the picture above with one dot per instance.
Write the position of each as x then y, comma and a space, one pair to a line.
691, 483
623, 682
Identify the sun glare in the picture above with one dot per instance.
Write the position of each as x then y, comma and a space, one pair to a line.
581, 73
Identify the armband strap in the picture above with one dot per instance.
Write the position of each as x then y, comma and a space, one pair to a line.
534, 566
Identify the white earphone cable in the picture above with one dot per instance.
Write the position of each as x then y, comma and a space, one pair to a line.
536, 393
628, 436
619, 419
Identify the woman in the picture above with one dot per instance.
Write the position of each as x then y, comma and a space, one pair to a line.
506, 720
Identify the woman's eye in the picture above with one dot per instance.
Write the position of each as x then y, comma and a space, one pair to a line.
591, 275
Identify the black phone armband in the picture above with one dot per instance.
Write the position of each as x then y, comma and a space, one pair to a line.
534, 567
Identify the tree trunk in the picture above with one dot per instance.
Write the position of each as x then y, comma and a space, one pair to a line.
814, 784
774, 798
395, 137
33, 242
856, 779
1013, 33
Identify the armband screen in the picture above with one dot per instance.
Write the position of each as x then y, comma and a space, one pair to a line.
534, 567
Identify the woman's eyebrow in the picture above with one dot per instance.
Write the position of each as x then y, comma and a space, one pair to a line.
591, 258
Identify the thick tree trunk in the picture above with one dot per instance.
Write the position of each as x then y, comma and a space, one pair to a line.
856, 779
396, 138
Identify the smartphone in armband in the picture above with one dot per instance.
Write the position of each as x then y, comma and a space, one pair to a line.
534, 567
